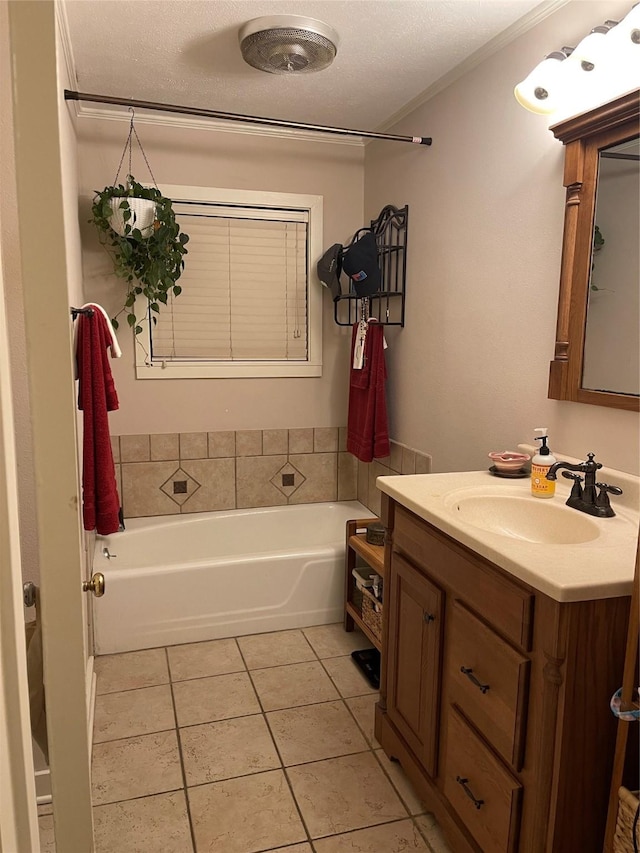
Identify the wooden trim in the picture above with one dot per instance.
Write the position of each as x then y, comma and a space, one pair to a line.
605, 117
630, 678
584, 136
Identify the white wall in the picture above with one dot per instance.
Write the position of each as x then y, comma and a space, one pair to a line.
469, 372
193, 157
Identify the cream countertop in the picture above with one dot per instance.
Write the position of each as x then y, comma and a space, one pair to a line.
600, 568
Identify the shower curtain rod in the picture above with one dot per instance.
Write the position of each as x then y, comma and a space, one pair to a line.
218, 114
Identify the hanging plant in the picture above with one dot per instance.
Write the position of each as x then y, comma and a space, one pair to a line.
138, 228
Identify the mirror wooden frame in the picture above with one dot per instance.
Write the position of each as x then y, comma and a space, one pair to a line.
584, 136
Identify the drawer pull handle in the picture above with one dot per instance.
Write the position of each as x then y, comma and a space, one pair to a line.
429, 617
468, 792
466, 670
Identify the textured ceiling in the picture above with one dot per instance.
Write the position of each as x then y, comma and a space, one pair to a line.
186, 52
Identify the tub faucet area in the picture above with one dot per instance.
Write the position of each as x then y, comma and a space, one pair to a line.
586, 499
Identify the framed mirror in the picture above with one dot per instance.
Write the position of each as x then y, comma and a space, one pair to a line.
597, 350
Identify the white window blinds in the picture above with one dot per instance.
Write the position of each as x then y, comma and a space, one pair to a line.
244, 288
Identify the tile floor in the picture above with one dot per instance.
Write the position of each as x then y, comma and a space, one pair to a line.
260, 743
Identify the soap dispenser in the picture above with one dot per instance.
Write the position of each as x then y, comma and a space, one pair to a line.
540, 464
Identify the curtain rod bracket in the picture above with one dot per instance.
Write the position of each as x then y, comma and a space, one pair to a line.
70, 95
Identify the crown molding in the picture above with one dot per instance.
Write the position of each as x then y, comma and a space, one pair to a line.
527, 22
217, 125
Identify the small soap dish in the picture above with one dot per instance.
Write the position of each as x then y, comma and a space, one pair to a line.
510, 475
509, 461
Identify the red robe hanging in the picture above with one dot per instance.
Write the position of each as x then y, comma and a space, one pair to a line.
96, 396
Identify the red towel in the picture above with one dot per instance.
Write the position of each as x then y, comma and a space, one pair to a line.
96, 396
367, 427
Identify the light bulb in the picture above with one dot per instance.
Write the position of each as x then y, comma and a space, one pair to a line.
539, 91
591, 50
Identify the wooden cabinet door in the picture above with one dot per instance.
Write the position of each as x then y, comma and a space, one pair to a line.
413, 679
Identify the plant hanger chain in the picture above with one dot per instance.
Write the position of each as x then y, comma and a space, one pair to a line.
129, 144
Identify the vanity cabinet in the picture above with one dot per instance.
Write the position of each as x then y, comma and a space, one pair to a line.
415, 618
495, 697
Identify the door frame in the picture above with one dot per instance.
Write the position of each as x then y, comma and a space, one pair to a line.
47, 227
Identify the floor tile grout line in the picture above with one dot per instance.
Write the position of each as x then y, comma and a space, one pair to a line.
283, 768
393, 785
181, 757
430, 849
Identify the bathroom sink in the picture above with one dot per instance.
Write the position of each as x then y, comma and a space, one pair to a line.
546, 522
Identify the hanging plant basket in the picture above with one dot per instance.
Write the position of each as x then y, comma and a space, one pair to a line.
143, 214
137, 226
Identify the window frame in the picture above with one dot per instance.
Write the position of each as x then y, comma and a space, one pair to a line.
146, 368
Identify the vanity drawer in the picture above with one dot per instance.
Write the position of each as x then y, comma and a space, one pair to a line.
488, 680
502, 602
480, 788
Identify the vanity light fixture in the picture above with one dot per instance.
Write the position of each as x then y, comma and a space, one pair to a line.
605, 63
538, 92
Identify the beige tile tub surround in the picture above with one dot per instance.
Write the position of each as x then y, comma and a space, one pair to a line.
222, 444
301, 441
325, 440
164, 446
320, 471
193, 445
401, 460
253, 481
249, 442
172, 473
135, 448
275, 441
142, 493
217, 484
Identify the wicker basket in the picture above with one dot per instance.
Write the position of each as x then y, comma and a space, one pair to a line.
372, 614
627, 808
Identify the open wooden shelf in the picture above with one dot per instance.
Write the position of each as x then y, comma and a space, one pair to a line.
373, 556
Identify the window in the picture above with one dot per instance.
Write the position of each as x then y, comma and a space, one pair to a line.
249, 306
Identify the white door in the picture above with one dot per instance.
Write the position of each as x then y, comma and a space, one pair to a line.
45, 264
18, 822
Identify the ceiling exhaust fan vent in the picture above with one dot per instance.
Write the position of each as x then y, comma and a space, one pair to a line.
288, 44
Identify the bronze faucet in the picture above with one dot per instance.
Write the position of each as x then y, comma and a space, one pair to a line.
586, 499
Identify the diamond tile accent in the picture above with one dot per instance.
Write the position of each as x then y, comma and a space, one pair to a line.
288, 479
180, 486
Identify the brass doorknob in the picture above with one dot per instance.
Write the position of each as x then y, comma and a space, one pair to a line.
95, 585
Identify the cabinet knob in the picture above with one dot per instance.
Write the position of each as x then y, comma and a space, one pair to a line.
466, 670
461, 781
429, 617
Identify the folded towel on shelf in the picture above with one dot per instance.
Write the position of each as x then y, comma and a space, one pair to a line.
367, 426
96, 397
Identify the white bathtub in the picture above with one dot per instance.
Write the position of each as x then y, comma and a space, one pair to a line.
181, 579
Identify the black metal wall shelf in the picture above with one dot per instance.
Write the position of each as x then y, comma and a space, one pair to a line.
387, 305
